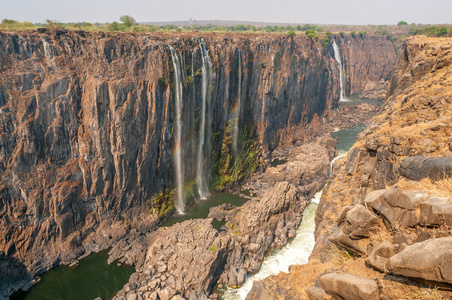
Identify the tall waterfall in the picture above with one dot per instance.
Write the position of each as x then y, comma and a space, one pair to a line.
337, 56
177, 151
237, 116
201, 168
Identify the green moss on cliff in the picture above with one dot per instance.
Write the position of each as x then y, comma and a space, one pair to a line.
231, 168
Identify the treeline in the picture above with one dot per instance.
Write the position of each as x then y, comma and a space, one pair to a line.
129, 24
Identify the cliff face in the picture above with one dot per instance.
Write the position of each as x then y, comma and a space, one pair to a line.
87, 119
389, 204
369, 63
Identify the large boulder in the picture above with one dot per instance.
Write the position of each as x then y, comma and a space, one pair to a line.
349, 287
418, 167
355, 224
429, 260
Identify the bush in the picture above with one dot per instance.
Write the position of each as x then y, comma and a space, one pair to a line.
311, 33
325, 42
291, 33
362, 33
53, 26
402, 23
443, 31
353, 34
341, 33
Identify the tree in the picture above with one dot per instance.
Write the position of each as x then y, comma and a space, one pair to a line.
402, 23
291, 33
128, 21
353, 34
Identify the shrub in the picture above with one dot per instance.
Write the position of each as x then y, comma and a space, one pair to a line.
53, 25
443, 31
325, 42
362, 33
341, 33
353, 34
311, 33
291, 33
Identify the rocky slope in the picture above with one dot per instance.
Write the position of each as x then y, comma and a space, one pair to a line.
383, 228
87, 122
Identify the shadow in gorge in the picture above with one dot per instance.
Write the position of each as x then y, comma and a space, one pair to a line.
12, 273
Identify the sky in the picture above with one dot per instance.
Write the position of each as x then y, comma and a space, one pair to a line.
352, 12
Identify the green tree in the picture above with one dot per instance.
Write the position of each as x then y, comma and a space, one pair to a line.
353, 34
325, 42
291, 33
443, 31
402, 23
115, 26
341, 33
128, 21
311, 33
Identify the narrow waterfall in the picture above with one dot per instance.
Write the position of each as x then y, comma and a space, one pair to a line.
177, 150
337, 56
237, 115
206, 69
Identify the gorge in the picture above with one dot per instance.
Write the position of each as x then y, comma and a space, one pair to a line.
105, 135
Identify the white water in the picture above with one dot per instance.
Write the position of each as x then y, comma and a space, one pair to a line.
296, 252
200, 171
337, 56
237, 115
180, 203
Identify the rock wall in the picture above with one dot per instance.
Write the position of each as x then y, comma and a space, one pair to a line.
369, 63
87, 127
389, 200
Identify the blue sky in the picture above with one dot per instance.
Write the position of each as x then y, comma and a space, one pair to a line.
290, 11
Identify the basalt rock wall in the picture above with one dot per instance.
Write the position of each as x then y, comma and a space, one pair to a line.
369, 63
87, 121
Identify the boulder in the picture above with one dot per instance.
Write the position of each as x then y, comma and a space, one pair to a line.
379, 256
355, 226
429, 260
259, 292
418, 167
349, 287
316, 293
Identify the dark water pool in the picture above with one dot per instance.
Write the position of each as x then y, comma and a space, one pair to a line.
91, 278
346, 137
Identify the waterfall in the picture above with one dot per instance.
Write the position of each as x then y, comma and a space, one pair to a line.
177, 152
201, 168
237, 116
337, 56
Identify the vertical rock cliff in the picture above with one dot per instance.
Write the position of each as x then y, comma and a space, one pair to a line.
87, 128
369, 62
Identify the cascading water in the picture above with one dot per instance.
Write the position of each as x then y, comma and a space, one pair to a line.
201, 168
237, 115
177, 151
296, 252
337, 56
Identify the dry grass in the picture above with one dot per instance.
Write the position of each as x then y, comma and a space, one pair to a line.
440, 187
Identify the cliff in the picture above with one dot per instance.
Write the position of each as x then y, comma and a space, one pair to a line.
89, 123
383, 225
369, 63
